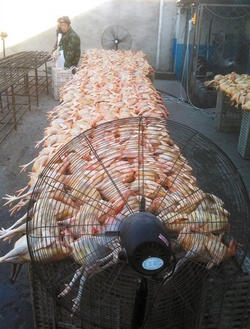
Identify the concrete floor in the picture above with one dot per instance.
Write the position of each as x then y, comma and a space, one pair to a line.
18, 149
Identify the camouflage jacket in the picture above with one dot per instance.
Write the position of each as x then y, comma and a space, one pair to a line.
70, 44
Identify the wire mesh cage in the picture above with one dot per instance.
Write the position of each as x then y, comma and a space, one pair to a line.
222, 38
59, 77
244, 139
91, 188
17, 86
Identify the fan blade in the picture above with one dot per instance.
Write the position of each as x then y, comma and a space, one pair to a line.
116, 32
126, 40
116, 37
109, 34
109, 45
123, 35
124, 45
108, 38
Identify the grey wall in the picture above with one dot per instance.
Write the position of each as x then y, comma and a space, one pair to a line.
139, 17
167, 35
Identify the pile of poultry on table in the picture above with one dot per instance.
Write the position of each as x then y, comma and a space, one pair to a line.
111, 85
236, 86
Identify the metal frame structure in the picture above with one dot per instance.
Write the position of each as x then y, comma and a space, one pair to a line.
197, 35
29, 61
17, 84
11, 108
230, 119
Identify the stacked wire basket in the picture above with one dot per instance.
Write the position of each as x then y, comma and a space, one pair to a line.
244, 139
59, 77
228, 118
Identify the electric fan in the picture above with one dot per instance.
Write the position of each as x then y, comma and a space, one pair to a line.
132, 240
116, 37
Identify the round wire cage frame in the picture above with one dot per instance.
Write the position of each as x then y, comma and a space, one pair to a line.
116, 37
87, 185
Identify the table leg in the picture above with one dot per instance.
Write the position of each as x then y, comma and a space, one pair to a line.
244, 138
36, 87
1, 103
13, 106
26, 79
47, 79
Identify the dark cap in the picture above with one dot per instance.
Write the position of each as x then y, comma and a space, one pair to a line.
64, 19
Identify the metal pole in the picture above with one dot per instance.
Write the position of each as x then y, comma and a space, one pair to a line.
7, 99
1, 103
197, 40
195, 49
13, 106
3, 47
27, 92
3, 35
47, 80
36, 86
159, 34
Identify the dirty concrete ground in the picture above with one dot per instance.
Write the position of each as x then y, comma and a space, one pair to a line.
18, 149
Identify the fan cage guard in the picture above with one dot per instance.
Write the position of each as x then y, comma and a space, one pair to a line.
116, 37
109, 296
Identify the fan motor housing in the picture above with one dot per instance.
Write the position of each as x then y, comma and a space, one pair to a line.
144, 239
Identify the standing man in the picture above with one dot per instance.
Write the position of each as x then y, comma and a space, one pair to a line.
69, 43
